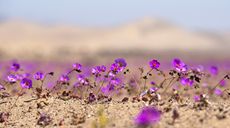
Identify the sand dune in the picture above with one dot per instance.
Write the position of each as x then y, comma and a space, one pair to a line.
20, 38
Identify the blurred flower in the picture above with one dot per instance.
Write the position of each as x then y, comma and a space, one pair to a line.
116, 68
148, 116
186, 81
103, 68
197, 98
98, 69
15, 66
64, 79
152, 83
77, 67
26, 83
218, 92
107, 89
214, 70
154, 64
121, 62
12, 78
38, 76
82, 79
153, 89
118, 65
179, 65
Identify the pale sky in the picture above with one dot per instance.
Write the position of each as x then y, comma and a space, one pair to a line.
192, 14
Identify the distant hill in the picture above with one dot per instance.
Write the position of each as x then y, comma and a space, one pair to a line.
23, 39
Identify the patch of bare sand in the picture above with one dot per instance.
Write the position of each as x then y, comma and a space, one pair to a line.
76, 113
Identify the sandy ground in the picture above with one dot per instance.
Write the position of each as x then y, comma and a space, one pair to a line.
74, 113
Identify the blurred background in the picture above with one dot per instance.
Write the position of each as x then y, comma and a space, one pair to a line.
101, 29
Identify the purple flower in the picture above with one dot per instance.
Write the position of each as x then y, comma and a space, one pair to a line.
15, 66
152, 83
2, 88
116, 68
121, 62
154, 64
197, 98
82, 79
153, 89
213, 70
38, 76
179, 65
98, 69
118, 65
12, 78
103, 68
107, 89
77, 67
186, 81
26, 83
148, 116
218, 92
64, 79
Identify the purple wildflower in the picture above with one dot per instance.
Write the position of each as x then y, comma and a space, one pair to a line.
26, 83
154, 64
186, 81
148, 116
38, 76
64, 79
214, 70
121, 62
77, 67
116, 68
153, 89
118, 65
82, 79
12, 78
107, 89
197, 98
96, 70
15, 66
103, 68
179, 65
152, 83
218, 92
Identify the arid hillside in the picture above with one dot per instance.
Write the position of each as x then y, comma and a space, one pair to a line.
18, 38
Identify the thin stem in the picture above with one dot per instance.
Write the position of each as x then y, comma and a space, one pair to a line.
219, 82
145, 79
15, 100
102, 83
171, 81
